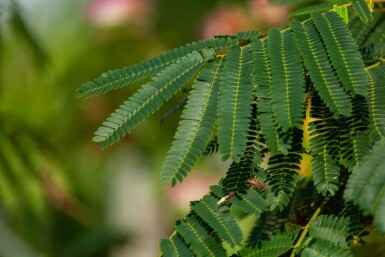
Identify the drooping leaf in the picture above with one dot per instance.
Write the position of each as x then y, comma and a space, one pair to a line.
196, 125
324, 146
234, 106
287, 84
150, 98
317, 63
222, 223
282, 174
262, 78
343, 52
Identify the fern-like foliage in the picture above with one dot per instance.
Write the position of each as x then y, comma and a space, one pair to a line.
247, 101
366, 186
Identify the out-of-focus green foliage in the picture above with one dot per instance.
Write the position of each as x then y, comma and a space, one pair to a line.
53, 185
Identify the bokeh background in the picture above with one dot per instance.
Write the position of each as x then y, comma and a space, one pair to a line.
60, 194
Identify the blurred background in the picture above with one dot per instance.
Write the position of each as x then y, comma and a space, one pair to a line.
60, 194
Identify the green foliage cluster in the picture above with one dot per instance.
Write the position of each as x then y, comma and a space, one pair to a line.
248, 100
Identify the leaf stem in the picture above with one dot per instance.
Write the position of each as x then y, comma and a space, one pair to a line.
307, 227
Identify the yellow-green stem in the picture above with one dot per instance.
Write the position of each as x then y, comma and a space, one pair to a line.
307, 227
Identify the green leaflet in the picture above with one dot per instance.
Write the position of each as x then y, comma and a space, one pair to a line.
174, 247
287, 83
222, 222
321, 248
196, 125
276, 246
354, 139
343, 52
366, 186
116, 79
237, 175
150, 98
262, 79
282, 179
251, 202
250, 34
282, 174
324, 146
260, 64
234, 106
361, 7
321, 73
201, 243
331, 228
376, 99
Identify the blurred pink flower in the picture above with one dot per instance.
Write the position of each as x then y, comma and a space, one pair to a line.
224, 21
193, 188
267, 14
111, 13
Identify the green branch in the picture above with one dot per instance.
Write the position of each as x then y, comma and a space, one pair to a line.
307, 227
